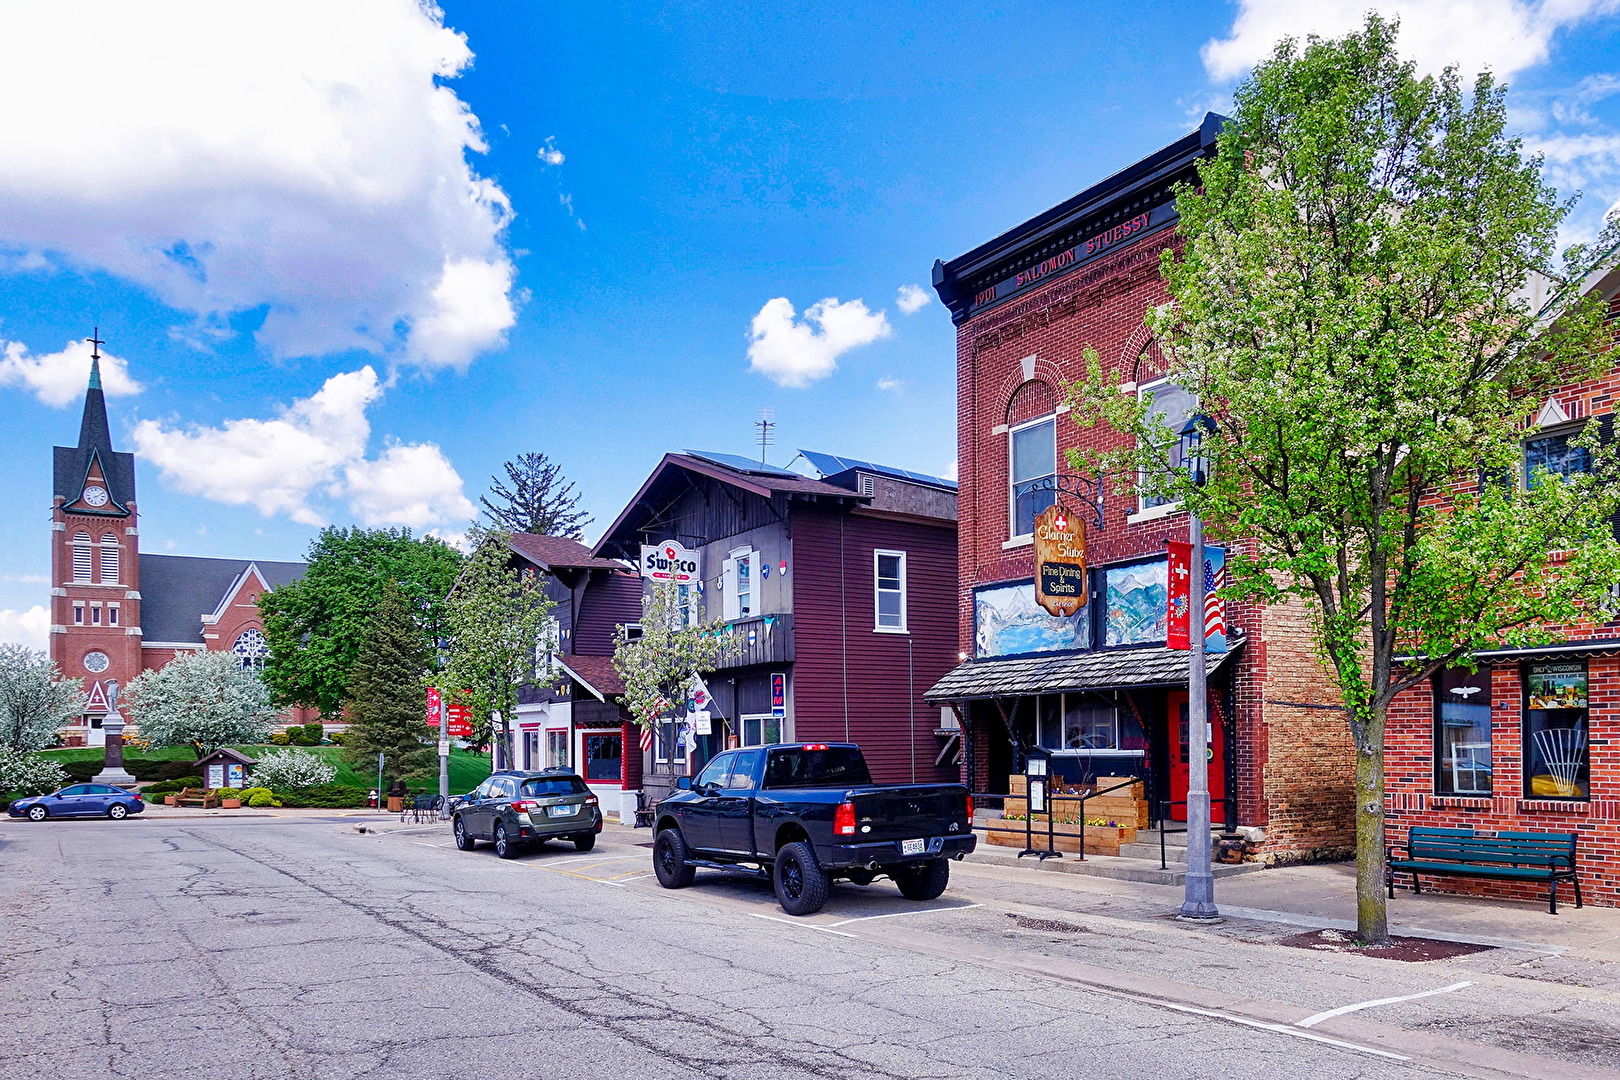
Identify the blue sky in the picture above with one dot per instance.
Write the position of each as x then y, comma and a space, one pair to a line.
347, 263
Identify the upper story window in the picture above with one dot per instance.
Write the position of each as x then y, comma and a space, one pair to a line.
1554, 454
109, 559
251, 649
1033, 465
1172, 405
740, 586
889, 569
81, 558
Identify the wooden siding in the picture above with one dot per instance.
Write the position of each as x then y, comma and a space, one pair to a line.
611, 600
850, 682
773, 645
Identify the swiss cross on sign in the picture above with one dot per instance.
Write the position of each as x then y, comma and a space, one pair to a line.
1060, 562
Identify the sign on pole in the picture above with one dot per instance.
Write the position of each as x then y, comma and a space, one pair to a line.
778, 693
458, 720
435, 706
444, 747
1060, 561
669, 561
1179, 579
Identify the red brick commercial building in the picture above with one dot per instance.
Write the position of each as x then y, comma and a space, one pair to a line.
116, 611
1530, 742
1099, 689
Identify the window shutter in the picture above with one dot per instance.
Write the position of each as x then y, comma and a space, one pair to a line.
728, 593
109, 560
81, 557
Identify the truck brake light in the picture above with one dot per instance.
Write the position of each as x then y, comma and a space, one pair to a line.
970, 808
844, 820
815, 746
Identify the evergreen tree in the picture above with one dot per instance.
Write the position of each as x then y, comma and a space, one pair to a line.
540, 500
387, 701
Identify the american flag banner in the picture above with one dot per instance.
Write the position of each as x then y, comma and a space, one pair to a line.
1214, 606
646, 737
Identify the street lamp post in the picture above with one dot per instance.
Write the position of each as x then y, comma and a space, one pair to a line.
1199, 901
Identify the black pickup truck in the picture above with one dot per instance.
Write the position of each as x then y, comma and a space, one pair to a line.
807, 816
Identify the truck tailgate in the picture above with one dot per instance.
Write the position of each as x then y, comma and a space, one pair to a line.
908, 811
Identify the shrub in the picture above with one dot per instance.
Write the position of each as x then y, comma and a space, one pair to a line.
23, 773
306, 734
261, 797
280, 738
338, 738
284, 770
169, 787
325, 796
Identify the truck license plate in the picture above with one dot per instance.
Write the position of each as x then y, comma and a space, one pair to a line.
912, 847
564, 811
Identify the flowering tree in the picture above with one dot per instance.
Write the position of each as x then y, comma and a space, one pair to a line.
496, 620
1350, 307
288, 770
204, 700
24, 773
35, 701
657, 668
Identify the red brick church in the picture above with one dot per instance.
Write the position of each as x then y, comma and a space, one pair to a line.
116, 612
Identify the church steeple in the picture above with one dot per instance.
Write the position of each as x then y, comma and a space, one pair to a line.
94, 433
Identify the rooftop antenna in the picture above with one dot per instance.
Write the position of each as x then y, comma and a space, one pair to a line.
766, 421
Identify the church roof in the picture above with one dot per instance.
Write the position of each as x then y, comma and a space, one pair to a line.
178, 590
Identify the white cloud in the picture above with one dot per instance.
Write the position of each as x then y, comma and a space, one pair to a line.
951, 473
796, 353
31, 628
889, 382
26, 579
59, 378
299, 156
1505, 36
411, 485
316, 445
549, 154
912, 299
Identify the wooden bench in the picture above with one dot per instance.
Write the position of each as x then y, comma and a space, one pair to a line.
195, 797
1506, 856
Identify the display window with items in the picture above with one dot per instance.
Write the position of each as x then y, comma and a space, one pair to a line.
1556, 731
1462, 732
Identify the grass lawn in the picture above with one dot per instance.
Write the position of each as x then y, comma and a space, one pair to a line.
467, 767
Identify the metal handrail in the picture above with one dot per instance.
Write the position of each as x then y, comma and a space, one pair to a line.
1052, 833
1164, 815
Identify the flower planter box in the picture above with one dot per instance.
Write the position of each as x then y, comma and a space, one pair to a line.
230, 804
171, 800
1100, 840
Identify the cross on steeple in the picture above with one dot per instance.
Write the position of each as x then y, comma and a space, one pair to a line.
95, 343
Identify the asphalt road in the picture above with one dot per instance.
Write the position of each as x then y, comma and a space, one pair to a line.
300, 948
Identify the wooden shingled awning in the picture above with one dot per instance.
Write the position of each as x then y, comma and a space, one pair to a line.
1054, 673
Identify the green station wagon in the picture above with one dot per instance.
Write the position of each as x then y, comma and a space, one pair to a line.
514, 809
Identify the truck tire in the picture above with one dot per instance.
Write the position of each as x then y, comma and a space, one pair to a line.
801, 883
925, 882
669, 860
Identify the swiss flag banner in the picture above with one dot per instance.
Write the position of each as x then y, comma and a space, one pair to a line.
1180, 571
1179, 581
435, 703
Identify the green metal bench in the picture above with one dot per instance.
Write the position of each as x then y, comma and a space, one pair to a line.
1506, 856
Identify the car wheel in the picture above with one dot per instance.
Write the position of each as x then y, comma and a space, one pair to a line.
463, 841
926, 881
503, 847
669, 860
585, 843
801, 883
38, 813
118, 811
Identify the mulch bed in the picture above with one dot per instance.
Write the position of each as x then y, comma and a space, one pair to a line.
1412, 949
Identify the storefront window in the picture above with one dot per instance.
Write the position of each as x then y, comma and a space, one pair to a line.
1084, 722
1462, 732
1555, 733
603, 757
761, 730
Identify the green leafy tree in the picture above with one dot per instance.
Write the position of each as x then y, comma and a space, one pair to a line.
496, 626
35, 700
204, 700
657, 667
315, 625
538, 500
387, 700
1349, 306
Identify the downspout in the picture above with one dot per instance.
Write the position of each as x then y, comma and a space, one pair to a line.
843, 621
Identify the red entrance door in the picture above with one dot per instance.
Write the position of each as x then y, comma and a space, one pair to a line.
1215, 753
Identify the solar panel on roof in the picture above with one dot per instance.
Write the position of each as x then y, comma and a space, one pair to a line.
742, 464
831, 464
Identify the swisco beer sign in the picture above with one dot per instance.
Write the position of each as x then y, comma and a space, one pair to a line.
669, 561
1060, 561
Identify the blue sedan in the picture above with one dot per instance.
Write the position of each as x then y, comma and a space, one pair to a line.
80, 800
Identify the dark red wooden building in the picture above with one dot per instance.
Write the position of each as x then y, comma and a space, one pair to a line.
839, 589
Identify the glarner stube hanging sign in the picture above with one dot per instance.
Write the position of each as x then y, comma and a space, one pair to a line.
1060, 561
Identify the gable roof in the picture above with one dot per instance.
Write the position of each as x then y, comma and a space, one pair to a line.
559, 551
595, 673
178, 590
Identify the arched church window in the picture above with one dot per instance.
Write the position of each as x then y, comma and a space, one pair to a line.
81, 557
251, 649
109, 559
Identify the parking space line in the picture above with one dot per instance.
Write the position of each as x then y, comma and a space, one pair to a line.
598, 858
796, 922
1312, 1021
424, 843
895, 914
